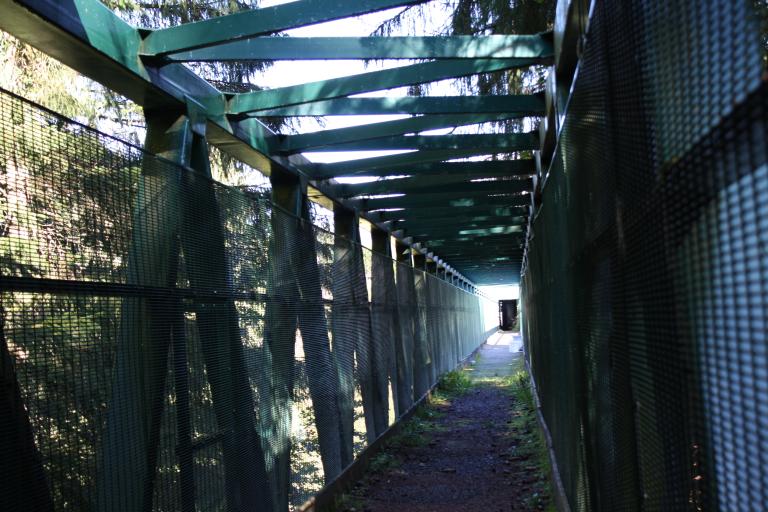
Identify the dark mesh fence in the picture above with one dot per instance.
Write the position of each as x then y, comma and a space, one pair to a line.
170, 343
645, 281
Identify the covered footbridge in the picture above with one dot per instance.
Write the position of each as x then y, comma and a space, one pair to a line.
169, 342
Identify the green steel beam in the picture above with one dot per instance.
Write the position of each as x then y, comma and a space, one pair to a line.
411, 184
364, 166
513, 105
88, 37
489, 143
536, 48
483, 255
367, 82
423, 201
307, 141
448, 213
468, 170
458, 220
423, 185
460, 231
254, 22
490, 242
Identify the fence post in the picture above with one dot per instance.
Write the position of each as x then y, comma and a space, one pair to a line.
405, 304
208, 270
351, 328
433, 326
385, 326
130, 442
295, 294
422, 353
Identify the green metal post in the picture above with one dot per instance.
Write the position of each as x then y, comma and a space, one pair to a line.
203, 244
351, 327
431, 324
314, 333
422, 354
130, 443
343, 321
405, 303
295, 294
280, 322
386, 329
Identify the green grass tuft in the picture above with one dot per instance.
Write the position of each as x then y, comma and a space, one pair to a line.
455, 382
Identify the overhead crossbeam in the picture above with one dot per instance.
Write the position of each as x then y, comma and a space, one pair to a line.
431, 184
367, 82
483, 241
535, 48
365, 166
458, 220
449, 213
487, 187
514, 105
255, 22
461, 231
450, 170
488, 143
436, 229
308, 141
426, 201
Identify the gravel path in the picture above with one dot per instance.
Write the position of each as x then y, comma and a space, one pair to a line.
470, 460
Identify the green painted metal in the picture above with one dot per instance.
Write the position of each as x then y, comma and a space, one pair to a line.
481, 240
460, 231
307, 141
87, 36
451, 245
536, 48
141, 358
445, 199
254, 22
468, 170
490, 143
512, 105
367, 82
364, 166
458, 221
411, 184
93, 40
422, 185
449, 213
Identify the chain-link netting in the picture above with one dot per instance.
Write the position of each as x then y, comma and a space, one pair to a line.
170, 343
646, 277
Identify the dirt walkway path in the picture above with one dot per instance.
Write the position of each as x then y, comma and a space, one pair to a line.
470, 451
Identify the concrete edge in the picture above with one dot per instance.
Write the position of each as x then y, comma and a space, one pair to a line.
558, 490
352, 473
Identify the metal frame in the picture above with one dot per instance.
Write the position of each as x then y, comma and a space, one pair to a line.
144, 66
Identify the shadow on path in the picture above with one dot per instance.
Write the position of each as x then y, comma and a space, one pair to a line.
474, 447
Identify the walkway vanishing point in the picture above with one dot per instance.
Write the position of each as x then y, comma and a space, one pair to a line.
475, 447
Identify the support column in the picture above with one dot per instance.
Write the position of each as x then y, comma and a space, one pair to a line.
295, 298
343, 321
406, 305
131, 437
423, 371
351, 328
202, 241
314, 332
386, 326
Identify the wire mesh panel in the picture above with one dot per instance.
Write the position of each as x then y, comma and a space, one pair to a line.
644, 282
169, 343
